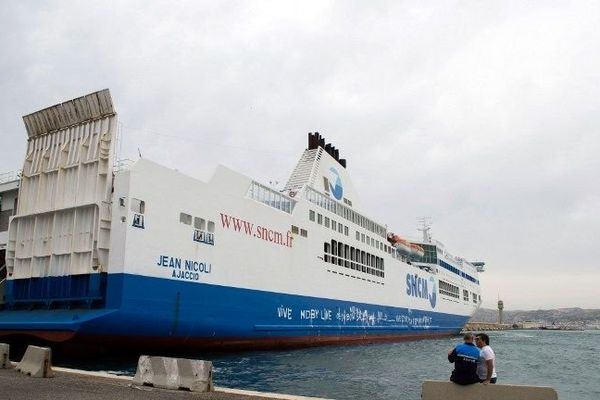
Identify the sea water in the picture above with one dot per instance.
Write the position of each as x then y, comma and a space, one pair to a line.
565, 360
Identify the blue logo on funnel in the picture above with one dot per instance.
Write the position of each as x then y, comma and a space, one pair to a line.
336, 188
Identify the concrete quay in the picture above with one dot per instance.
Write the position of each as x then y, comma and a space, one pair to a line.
69, 384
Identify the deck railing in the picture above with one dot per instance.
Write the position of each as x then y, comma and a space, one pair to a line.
10, 176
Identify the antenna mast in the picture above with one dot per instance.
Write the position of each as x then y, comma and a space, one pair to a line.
425, 227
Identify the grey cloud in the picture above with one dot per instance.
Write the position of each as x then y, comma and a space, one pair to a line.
482, 116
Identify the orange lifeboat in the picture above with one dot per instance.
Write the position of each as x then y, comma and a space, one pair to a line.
401, 245
416, 250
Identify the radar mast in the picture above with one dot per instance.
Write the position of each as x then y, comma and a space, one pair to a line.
425, 227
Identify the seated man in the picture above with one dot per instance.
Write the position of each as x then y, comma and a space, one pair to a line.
465, 357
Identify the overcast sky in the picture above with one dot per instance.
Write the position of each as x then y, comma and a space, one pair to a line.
482, 115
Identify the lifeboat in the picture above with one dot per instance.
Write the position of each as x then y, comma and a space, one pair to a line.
401, 245
416, 251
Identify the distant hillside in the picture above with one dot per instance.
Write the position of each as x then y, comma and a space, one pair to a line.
548, 316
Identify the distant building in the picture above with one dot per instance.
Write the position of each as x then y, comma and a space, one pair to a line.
9, 189
531, 324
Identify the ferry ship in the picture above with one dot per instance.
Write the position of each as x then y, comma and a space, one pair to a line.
145, 256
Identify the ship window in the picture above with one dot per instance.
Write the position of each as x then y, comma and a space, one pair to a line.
185, 218
474, 298
340, 228
334, 247
286, 205
326, 184
211, 226
449, 289
138, 206
294, 229
346, 231
326, 222
303, 233
121, 201
199, 223
311, 215
319, 219
326, 247
342, 210
270, 197
362, 237
466, 295
357, 235
333, 225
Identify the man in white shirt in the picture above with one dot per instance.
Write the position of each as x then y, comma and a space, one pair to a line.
486, 368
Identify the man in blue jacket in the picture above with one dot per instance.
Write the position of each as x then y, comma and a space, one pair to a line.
465, 357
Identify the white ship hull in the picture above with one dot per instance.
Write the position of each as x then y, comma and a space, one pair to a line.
226, 263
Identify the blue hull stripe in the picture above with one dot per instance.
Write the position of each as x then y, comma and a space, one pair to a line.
146, 307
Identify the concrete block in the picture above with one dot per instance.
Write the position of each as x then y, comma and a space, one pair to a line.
174, 373
5, 356
36, 362
444, 390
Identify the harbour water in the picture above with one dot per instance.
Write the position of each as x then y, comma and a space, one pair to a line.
565, 360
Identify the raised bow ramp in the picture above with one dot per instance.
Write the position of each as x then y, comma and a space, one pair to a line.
58, 241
